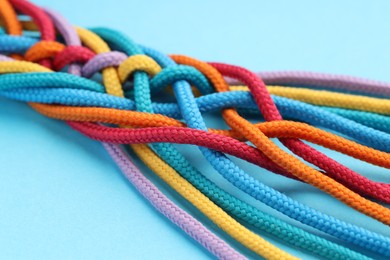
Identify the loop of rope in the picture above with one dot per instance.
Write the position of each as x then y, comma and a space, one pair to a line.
137, 63
102, 61
43, 50
72, 54
61, 55
151, 72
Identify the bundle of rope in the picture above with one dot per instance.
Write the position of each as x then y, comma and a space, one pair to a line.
55, 71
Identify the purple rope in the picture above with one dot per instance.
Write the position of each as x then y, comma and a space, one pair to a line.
64, 27
5, 58
326, 81
101, 61
176, 215
179, 217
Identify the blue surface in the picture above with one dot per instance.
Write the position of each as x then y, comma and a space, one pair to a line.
67, 200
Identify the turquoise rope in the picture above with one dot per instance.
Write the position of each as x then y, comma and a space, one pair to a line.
47, 80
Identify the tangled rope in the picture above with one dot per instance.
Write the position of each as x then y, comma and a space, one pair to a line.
56, 76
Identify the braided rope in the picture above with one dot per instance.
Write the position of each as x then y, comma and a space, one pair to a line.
178, 216
170, 176
48, 87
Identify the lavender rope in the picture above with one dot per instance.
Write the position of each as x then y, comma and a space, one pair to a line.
5, 58
326, 81
101, 61
179, 217
176, 215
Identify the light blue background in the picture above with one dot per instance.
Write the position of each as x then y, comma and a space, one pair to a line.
62, 197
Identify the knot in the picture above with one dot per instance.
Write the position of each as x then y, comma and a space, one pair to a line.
171, 75
72, 54
138, 63
61, 54
43, 50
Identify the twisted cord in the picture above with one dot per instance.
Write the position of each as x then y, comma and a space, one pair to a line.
308, 238
190, 225
21, 44
142, 102
226, 223
117, 43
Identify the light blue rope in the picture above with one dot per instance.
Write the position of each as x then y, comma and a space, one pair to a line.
15, 44
360, 126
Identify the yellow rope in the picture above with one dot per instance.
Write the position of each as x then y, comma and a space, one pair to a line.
21, 66
110, 75
328, 98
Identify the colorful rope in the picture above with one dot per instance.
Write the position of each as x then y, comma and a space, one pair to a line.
88, 105
159, 135
178, 216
